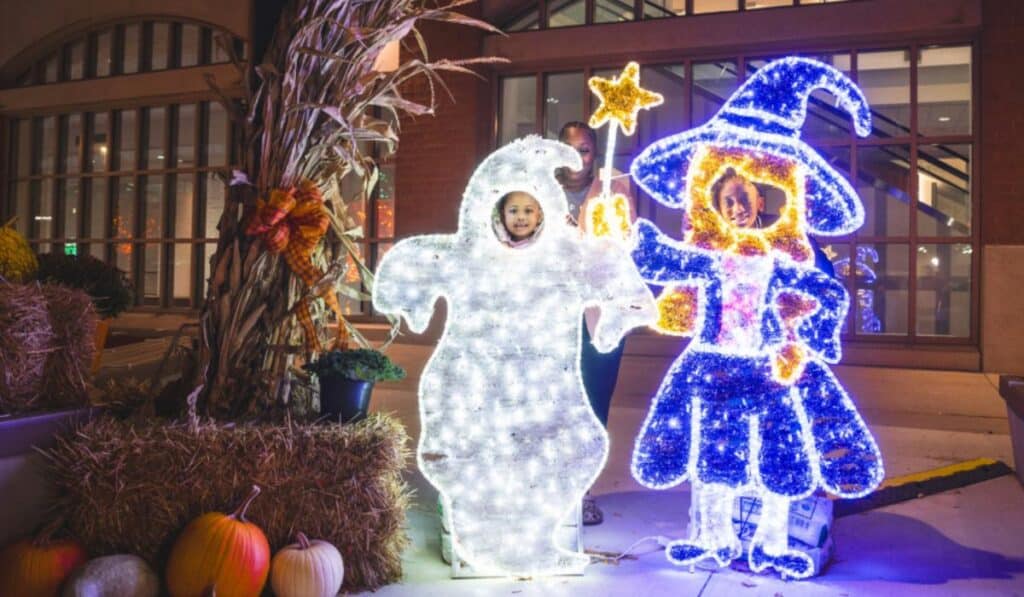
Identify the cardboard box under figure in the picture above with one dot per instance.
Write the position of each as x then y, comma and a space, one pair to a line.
508, 436
809, 526
751, 406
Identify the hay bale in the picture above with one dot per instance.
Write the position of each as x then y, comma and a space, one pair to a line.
46, 346
127, 487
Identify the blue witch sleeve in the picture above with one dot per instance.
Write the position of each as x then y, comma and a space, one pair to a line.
662, 260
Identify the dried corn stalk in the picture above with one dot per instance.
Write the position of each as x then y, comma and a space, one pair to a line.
317, 106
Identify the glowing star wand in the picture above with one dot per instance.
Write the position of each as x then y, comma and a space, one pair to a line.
621, 99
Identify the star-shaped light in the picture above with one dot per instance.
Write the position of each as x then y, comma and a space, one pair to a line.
621, 99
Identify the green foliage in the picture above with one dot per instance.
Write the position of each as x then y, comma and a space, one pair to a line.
361, 364
109, 288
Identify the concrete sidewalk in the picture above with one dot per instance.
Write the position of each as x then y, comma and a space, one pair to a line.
968, 541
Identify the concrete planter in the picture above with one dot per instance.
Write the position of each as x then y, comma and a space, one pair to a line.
1011, 388
23, 484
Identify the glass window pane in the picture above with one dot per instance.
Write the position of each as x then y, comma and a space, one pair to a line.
126, 141
518, 108
72, 142
184, 205
44, 212
524, 23
882, 181
100, 146
161, 45
132, 47
98, 250
702, 6
350, 306
884, 77
670, 117
186, 155
655, 9
190, 45
72, 207
104, 53
48, 162
943, 290
217, 147
713, 83
23, 154
214, 205
156, 153
563, 101
220, 54
566, 13
154, 206
122, 222
944, 190
757, 4
884, 296
97, 224
839, 256
22, 208
181, 262
385, 203
208, 250
76, 60
50, 68
944, 91
151, 274
613, 11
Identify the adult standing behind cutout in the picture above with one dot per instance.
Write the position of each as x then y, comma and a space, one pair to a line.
600, 370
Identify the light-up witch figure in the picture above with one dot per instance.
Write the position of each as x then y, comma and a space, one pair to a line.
508, 436
865, 278
751, 408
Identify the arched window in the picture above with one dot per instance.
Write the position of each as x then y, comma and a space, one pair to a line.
139, 183
130, 48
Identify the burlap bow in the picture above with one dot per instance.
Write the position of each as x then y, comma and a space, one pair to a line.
291, 222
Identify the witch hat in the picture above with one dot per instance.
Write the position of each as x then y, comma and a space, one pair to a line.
765, 116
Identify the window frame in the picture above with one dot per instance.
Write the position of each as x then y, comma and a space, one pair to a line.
912, 239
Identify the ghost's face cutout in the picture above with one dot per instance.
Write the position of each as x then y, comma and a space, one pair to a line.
520, 214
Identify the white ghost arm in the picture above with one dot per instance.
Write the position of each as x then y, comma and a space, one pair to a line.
410, 279
613, 284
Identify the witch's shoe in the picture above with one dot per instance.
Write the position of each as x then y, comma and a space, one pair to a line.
689, 553
789, 564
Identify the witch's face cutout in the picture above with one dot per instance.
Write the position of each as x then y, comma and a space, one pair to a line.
739, 201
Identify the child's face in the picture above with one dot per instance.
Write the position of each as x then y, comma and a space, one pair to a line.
739, 202
521, 215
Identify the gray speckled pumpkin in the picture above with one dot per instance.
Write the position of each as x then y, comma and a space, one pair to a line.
113, 576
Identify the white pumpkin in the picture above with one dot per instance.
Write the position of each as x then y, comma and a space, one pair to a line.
307, 569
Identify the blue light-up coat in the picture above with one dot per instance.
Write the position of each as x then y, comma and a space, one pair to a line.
720, 416
720, 390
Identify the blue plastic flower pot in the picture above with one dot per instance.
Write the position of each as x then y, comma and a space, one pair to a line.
344, 400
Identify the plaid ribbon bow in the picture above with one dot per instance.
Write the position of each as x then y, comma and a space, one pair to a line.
291, 222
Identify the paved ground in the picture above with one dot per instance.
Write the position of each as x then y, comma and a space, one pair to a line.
968, 541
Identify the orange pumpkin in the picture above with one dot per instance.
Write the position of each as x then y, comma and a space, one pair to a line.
221, 554
38, 568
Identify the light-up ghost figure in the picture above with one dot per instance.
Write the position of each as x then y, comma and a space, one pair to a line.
751, 408
508, 436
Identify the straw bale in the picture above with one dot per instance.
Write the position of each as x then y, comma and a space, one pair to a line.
130, 487
46, 346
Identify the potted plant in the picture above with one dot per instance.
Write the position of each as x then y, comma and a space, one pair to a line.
347, 378
108, 287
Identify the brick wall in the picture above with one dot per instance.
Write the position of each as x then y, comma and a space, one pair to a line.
1002, 123
437, 154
